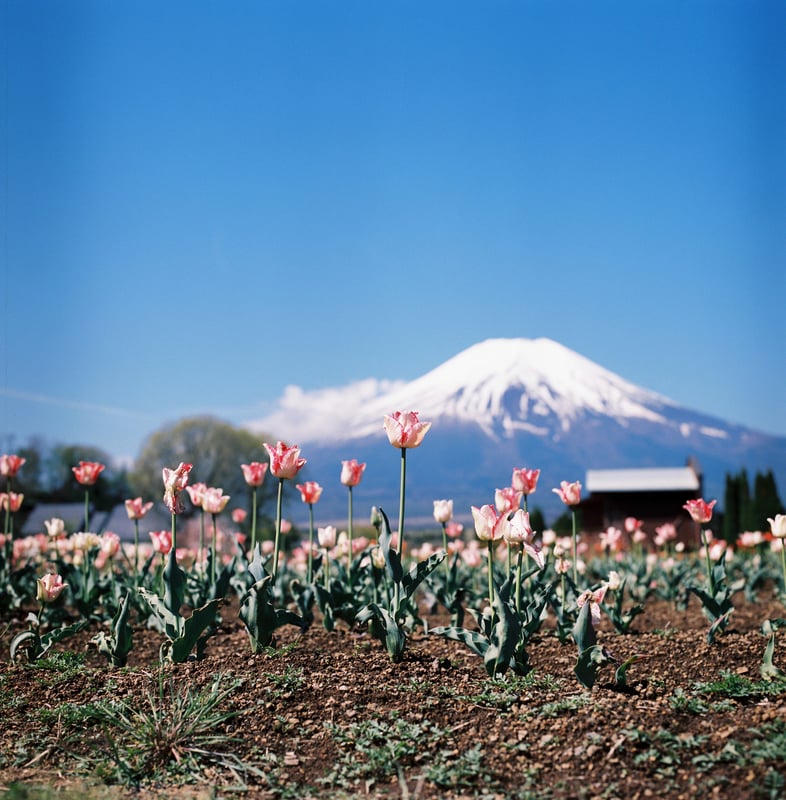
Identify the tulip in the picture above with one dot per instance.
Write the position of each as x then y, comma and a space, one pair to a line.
404, 431
570, 494
87, 472
49, 587
525, 481
162, 541
490, 526
285, 463
327, 540
239, 515
10, 465
632, 524
196, 493
136, 509
594, 599
55, 528
443, 511
214, 501
699, 510
175, 480
351, 473
11, 501
507, 500
310, 492
254, 474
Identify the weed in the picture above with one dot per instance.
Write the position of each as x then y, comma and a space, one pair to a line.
291, 681
739, 687
59, 667
561, 707
175, 726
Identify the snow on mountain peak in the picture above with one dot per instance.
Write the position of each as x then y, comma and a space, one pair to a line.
502, 385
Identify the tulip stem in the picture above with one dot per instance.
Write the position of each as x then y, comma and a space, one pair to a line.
278, 526
136, 547
491, 574
518, 579
401, 503
202, 554
447, 558
87, 510
310, 542
253, 521
215, 553
575, 550
707, 562
349, 534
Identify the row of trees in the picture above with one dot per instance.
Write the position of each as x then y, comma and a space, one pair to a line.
746, 510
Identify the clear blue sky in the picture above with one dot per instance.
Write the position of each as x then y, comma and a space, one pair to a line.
203, 202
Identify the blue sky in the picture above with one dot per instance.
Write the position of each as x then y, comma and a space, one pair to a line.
205, 202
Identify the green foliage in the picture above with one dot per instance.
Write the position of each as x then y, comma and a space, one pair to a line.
34, 644
257, 611
386, 622
117, 644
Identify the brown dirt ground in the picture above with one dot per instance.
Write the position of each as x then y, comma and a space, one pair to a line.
540, 737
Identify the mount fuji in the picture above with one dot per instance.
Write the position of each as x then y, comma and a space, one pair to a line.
500, 404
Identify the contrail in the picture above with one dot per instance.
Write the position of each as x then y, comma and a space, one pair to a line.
76, 404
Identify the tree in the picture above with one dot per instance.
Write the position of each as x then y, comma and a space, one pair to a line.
216, 449
110, 488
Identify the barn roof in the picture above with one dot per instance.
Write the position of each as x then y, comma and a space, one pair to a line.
644, 479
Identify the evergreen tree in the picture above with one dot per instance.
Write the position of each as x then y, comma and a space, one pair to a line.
731, 508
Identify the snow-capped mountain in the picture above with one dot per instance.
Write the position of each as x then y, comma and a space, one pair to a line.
506, 403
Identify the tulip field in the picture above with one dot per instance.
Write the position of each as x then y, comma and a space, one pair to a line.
486, 660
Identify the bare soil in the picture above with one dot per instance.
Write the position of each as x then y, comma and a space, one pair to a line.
326, 714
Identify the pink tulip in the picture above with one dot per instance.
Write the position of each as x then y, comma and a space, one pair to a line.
110, 544
507, 500
10, 465
595, 599
11, 501
454, 530
632, 524
519, 532
87, 472
50, 587
175, 480
404, 430
214, 501
310, 492
239, 515
569, 493
327, 537
196, 493
254, 473
443, 511
285, 461
136, 509
489, 525
351, 472
525, 480
699, 510
162, 541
